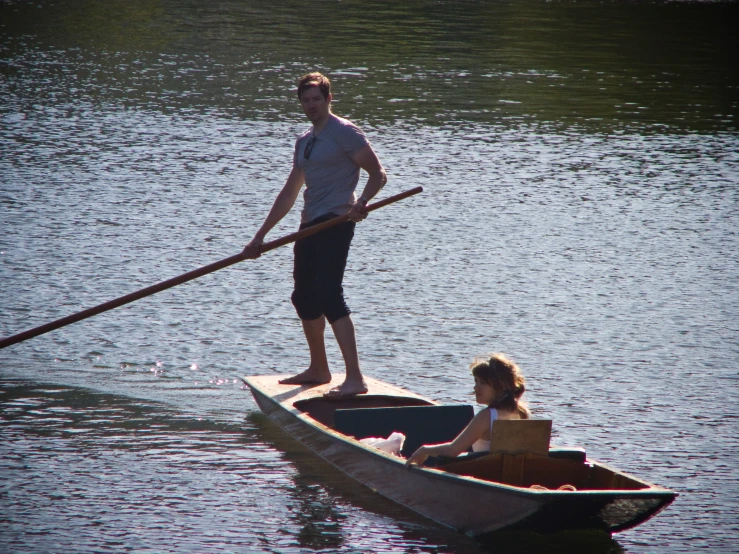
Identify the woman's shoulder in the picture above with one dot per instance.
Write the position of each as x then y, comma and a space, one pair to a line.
487, 414
504, 414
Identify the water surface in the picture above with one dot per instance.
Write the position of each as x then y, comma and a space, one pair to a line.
579, 161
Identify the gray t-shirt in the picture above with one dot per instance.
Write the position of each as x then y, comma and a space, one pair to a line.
331, 176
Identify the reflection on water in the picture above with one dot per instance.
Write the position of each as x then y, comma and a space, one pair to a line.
580, 167
139, 475
647, 66
143, 476
318, 485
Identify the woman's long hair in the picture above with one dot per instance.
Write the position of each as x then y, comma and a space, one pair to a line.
505, 377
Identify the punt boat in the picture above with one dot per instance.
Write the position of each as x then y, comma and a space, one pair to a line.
521, 485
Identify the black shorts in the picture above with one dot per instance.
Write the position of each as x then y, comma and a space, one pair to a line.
318, 271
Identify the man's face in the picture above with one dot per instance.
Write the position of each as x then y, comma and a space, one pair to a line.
315, 106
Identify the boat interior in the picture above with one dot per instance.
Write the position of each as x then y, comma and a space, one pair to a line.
520, 453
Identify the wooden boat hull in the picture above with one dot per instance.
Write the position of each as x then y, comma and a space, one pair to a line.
473, 506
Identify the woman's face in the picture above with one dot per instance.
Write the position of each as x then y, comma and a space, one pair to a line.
484, 392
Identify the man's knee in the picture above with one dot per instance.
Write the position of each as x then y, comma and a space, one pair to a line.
305, 306
334, 308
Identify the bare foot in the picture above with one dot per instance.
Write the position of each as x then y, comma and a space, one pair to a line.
308, 377
347, 388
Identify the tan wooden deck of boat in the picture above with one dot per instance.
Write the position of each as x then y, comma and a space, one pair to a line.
289, 394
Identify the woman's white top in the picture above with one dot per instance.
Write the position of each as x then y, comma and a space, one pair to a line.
481, 445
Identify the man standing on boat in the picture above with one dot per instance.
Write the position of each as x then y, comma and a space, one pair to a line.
327, 159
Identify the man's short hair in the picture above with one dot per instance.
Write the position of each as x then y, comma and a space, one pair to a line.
314, 79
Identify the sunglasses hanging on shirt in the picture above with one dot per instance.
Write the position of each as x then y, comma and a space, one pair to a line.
309, 147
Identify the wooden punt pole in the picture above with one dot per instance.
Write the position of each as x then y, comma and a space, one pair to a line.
184, 278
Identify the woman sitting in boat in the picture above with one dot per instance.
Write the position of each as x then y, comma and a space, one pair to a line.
499, 384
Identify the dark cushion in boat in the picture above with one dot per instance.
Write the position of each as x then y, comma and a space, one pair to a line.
420, 424
572, 453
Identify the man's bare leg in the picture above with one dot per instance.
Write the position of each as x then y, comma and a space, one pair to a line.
318, 371
354, 382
